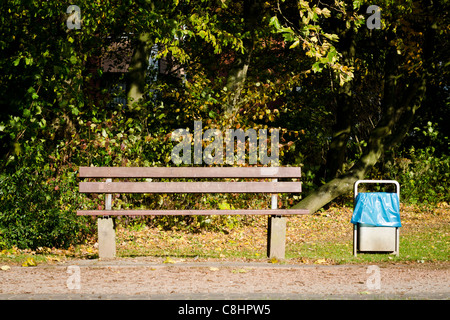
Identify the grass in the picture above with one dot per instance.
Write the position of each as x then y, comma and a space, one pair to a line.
322, 238
325, 237
424, 237
413, 248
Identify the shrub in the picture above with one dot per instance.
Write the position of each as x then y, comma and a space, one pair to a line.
39, 210
424, 177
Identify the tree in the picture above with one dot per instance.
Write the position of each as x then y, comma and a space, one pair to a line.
55, 113
342, 95
410, 52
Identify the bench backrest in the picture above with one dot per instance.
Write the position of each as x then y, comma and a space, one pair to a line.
272, 186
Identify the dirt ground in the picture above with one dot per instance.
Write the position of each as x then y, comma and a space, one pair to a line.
151, 278
150, 274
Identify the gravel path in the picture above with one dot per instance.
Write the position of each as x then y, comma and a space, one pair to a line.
150, 278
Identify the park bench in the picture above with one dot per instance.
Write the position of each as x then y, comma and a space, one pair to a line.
268, 182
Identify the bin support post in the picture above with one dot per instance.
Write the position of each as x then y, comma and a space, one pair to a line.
397, 241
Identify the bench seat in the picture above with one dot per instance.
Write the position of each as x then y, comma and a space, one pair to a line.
268, 183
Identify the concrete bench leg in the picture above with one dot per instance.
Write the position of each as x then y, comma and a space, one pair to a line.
276, 232
106, 232
106, 238
276, 237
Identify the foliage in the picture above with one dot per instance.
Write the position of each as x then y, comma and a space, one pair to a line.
309, 34
38, 207
59, 109
424, 177
422, 170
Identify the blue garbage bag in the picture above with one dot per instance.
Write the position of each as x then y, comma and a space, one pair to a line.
380, 209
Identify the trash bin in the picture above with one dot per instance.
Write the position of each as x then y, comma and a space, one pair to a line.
376, 219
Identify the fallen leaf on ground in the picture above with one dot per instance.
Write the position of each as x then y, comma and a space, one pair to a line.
54, 259
169, 260
5, 268
240, 271
29, 263
274, 260
321, 261
214, 269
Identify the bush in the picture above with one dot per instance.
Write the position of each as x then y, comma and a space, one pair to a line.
424, 177
39, 210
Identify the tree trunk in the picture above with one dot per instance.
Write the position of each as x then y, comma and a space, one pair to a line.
236, 79
344, 116
399, 105
238, 73
135, 79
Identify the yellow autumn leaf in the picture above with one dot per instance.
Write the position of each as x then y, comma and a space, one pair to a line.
295, 44
5, 268
273, 260
56, 259
169, 260
240, 271
29, 262
321, 261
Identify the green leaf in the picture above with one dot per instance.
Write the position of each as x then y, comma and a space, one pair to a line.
295, 44
274, 22
332, 37
224, 206
212, 114
73, 59
42, 123
317, 67
331, 55
356, 4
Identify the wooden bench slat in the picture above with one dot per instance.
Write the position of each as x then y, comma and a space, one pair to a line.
277, 212
189, 172
189, 187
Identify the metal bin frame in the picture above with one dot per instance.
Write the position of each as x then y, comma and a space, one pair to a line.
359, 231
